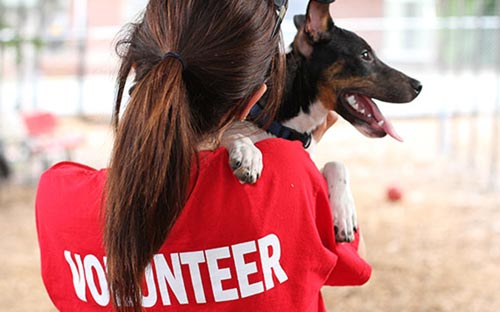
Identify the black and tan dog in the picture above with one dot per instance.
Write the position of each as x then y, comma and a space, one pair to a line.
328, 68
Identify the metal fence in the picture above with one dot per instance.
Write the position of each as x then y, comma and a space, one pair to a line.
452, 46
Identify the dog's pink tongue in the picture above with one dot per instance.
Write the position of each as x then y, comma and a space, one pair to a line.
389, 129
380, 120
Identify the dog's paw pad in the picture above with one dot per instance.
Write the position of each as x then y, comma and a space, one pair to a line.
246, 162
245, 176
344, 236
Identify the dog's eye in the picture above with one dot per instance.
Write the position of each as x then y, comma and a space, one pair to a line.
366, 55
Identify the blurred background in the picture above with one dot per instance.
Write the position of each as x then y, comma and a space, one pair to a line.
429, 208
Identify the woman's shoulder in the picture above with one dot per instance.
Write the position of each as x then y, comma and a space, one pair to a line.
287, 162
287, 154
283, 150
69, 168
68, 179
67, 171
280, 144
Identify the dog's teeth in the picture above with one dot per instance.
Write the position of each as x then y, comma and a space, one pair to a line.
351, 99
381, 123
354, 105
369, 115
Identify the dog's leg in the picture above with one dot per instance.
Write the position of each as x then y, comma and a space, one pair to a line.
341, 201
244, 157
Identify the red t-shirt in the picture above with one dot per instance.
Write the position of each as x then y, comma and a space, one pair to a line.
263, 247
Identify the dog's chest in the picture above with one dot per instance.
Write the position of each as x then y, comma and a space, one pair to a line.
307, 122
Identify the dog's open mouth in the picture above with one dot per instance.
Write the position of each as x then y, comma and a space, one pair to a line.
363, 113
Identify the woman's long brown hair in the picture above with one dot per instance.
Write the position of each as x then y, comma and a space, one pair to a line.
229, 53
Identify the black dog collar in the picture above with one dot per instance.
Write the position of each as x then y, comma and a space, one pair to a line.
281, 131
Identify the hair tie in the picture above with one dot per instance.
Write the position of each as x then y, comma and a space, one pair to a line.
176, 56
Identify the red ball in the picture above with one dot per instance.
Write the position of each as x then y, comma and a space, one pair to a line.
394, 193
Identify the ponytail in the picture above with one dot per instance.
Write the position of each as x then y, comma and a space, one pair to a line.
228, 49
153, 153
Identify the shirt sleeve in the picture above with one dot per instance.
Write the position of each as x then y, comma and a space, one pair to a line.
350, 269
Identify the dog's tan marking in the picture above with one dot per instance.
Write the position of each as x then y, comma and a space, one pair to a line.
328, 87
333, 70
327, 96
331, 85
354, 82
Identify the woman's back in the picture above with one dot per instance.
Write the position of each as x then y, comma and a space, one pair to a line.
262, 247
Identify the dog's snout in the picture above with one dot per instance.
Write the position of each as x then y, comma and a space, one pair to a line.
416, 85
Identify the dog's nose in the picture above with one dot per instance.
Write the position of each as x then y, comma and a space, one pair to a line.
416, 85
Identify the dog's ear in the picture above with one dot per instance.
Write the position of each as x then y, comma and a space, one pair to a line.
318, 21
299, 21
312, 28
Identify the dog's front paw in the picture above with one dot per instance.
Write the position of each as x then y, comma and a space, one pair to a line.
345, 229
246, 160
341, 201
345, 220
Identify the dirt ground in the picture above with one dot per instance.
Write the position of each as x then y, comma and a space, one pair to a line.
438, 249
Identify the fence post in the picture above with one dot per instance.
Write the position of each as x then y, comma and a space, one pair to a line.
494, 174
493, 183
80, 12
475, 59
444, 113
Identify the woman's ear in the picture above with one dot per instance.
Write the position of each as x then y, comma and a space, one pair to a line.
253, 100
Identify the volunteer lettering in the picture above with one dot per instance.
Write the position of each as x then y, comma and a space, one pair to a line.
167, 274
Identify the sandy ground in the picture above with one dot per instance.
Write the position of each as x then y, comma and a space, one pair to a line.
438, 249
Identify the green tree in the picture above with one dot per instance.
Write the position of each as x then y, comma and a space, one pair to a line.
464, 47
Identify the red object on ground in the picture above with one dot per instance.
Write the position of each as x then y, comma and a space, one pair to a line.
394, 193
42, 136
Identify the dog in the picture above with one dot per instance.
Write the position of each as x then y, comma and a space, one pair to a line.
328, 68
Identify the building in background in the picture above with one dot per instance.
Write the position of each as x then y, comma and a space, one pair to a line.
64, 26
58, 55
50, 48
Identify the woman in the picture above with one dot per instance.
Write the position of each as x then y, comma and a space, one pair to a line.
180, 232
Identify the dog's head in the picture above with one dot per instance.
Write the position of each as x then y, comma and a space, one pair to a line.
348, 72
